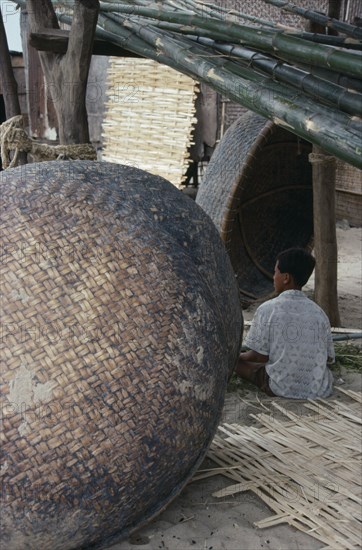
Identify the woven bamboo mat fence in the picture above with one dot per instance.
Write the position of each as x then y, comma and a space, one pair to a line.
150, 117
305, 467
349, 193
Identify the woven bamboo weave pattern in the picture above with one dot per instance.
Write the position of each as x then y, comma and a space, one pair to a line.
258, 8
349, 193
258, 191
150, 117
304, 462
119, 324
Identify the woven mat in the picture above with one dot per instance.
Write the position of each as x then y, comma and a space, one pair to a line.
305, 467
150, 117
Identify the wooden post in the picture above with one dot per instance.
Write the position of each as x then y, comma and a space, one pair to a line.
325, 240
67, 74
334, 11
9, 85
324, 219
41, 112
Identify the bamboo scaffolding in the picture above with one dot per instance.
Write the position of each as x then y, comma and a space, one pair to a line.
305, 467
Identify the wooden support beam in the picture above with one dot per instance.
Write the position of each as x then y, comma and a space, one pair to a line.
67, 74
325, 239
9, 87
56, 41
8, 84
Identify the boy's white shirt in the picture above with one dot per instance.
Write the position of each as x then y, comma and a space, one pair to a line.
296, 335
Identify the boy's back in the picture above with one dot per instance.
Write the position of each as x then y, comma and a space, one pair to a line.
295, 334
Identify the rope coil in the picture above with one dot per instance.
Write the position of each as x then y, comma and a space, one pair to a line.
13, 137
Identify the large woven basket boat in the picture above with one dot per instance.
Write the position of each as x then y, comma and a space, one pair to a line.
120, 323
257, 190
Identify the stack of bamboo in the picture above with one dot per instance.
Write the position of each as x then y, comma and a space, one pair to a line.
309, 83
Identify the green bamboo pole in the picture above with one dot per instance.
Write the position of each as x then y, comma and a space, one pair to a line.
336, 132
312, 85
336, 41
348, 83
330, 40
175, 27
338, 78
319, 18
199, 51
218, 12
300, 50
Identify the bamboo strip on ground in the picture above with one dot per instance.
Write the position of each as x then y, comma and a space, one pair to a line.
305, 467
150, 117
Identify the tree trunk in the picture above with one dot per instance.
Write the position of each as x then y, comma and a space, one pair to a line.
325, 240
67, 74
9, 85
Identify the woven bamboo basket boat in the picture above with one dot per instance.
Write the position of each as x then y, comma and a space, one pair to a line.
258, 191
120, 323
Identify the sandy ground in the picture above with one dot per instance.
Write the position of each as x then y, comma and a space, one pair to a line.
197, 521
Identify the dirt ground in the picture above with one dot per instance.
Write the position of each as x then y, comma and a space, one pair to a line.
197, 521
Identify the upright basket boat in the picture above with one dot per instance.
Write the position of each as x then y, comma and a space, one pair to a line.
258, 191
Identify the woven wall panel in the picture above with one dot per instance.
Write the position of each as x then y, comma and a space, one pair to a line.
119, 324
348, 193
150, 117
262, 10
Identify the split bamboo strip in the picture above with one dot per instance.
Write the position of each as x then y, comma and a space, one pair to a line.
352, 394
150, 117
305, 467
266, 491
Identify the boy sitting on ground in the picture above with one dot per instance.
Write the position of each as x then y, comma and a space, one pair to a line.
290, 337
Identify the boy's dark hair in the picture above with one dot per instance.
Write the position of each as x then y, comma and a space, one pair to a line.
299, 263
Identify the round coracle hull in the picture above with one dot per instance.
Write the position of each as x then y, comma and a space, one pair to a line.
120, 323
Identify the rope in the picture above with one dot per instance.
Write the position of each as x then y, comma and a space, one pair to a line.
13, 137
315, 158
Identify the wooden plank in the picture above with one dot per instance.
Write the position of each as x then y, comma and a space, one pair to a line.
56, 41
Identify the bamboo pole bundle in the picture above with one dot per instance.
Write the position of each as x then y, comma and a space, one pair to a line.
271, 99
350, 102
297, 79
267, 40
272, 71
